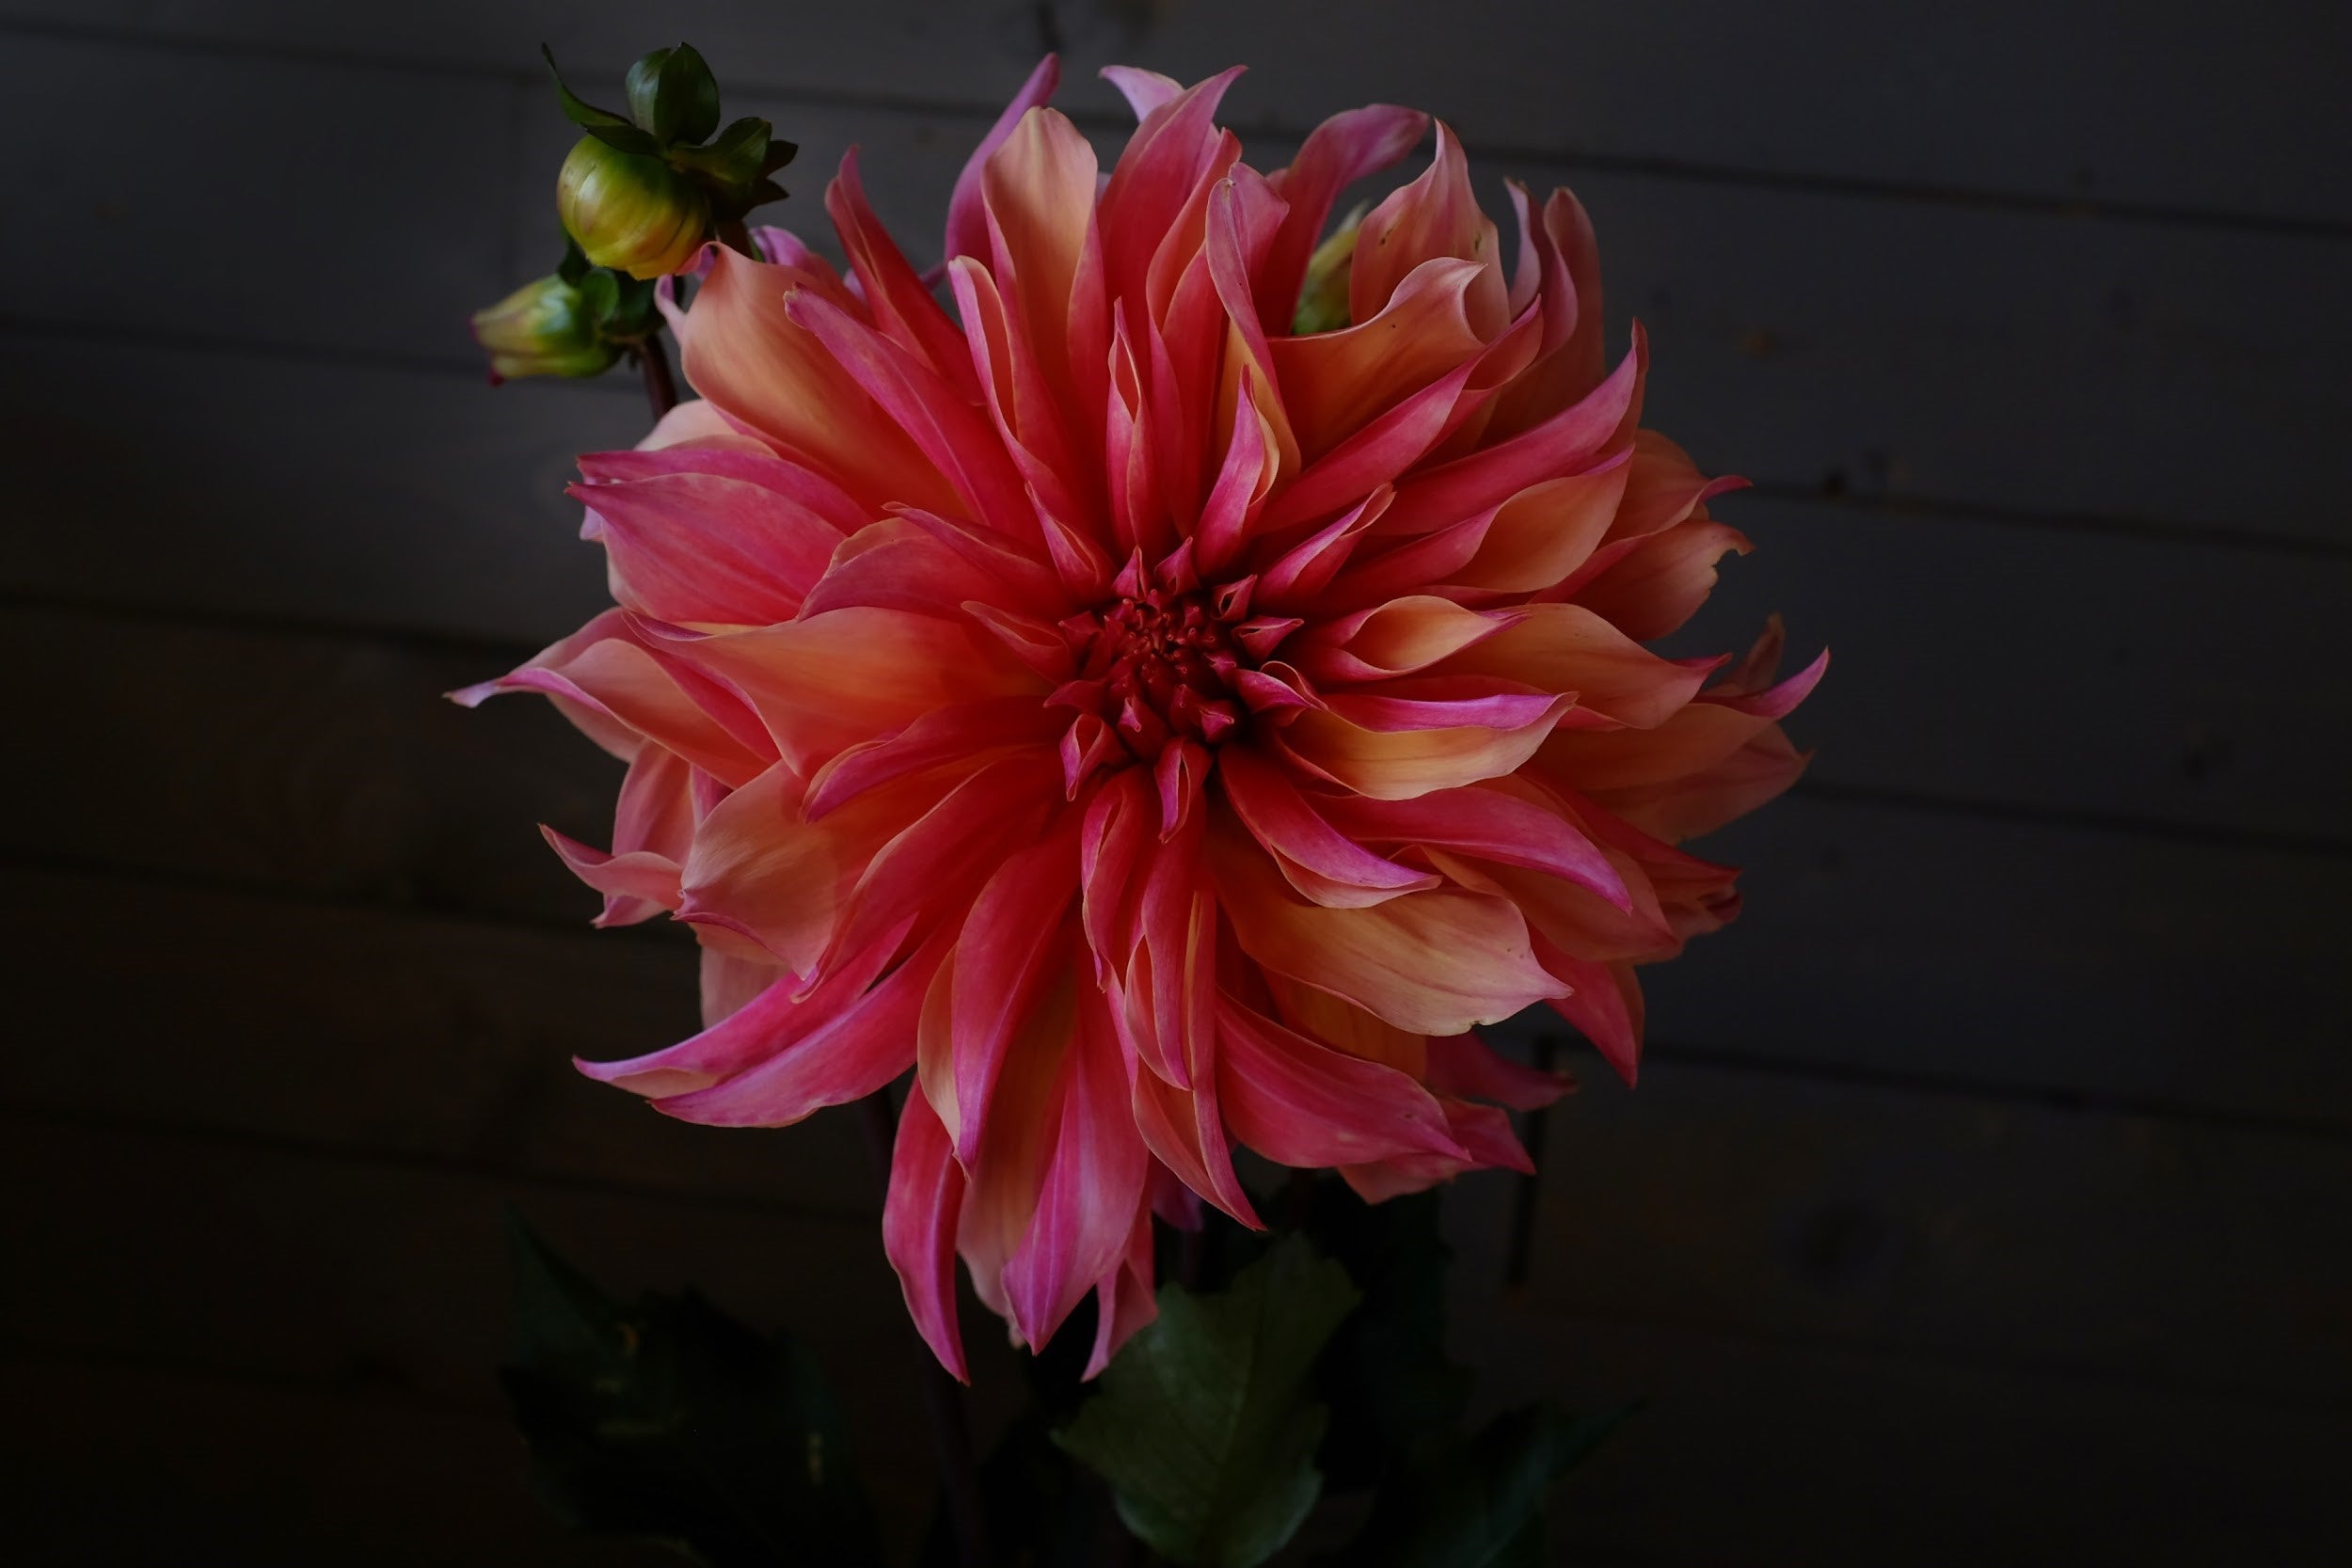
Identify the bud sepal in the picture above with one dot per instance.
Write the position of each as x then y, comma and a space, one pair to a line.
643, 193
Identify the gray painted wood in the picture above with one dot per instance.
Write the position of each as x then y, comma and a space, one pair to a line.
1960, 674
251, 199
1795, 1455
2020, 362
1984, 1199
354, 1275
2070, 960
359, 1277
1920, 1220
283, 1477
2061, 958
2231, 109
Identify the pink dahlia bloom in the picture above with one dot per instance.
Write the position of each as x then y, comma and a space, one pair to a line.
1163, 731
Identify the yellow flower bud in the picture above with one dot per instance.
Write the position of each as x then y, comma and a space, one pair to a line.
630, 212
540, 329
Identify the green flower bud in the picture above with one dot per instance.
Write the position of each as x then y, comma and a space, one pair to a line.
1323, 302
629, 212
542, 328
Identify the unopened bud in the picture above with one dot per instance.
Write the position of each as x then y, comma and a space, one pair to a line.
542, 328
630, 212
1323, 302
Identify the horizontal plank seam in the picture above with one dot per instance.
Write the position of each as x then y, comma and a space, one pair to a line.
378, 1156
359, 1386
497, 657
2079, 1103
2026, 1367
1975, 198
646, 935
2135, 825
2115, 525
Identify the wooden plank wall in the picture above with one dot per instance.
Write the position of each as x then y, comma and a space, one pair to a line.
1989, 1199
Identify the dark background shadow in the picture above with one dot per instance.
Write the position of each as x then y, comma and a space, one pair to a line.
1988, 1197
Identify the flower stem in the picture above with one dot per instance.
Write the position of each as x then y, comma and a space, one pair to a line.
951, 1435
661, 390
1519, 1256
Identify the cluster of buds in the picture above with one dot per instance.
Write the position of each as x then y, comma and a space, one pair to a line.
639, 197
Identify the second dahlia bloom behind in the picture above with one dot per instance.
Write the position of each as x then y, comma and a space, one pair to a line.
1162, 731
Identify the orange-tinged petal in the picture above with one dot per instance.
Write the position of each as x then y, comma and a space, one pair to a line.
743, 353
1379, 958
1399, 764
1093, 1188
825, 683
1299, 1103
1398, 637
1696, 738
1038, 191
1559, 647
1334, 383
1436, 216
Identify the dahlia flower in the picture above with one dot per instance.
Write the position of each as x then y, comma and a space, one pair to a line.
1163, 731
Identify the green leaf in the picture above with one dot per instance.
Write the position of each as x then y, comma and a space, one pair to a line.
1392, 1390
732, 160
670, 1421
603, 125
1204, 1425
575, 263
1480, 1504
600, 296
634, 314
673, 96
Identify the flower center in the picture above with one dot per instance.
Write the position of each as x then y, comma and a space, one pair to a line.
1160, 666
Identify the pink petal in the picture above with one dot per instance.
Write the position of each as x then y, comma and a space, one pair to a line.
1317, 859
853, 1052
1464, 1065
1490, 824
780, 1015
700, 548
1012, 931
1336, 382
1125, 1301
636, 886
1144, 90
1605, 1007
900, 563
802, 486
922, 402
826, 682
903, 309
1156, 173
1094, 1190
742, 351
1432, 963
967, 225
962, 730
1436, 216
1566, 443
1249, 471
1343, 150
1299, 1103
919, 1229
